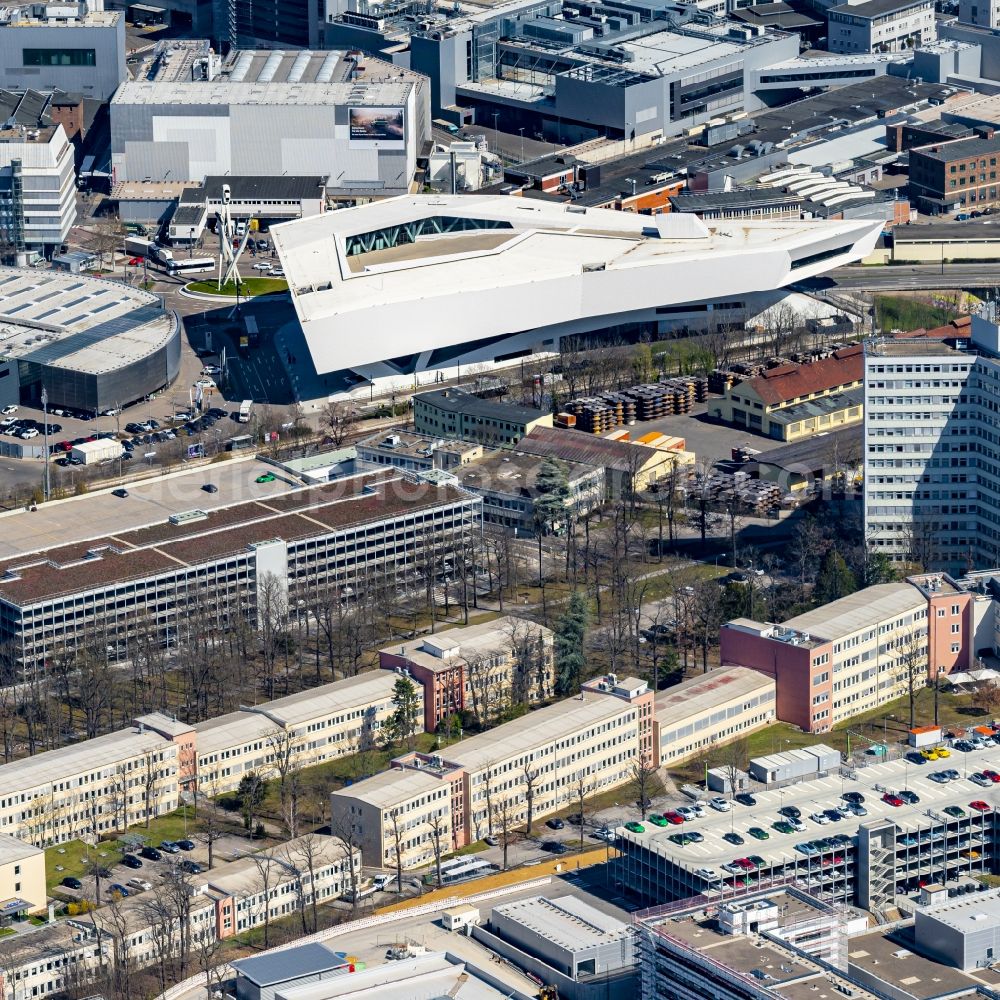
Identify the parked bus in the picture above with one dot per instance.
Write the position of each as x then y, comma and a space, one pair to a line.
245, 407
192, 265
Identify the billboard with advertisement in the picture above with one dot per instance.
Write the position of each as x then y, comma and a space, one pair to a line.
381, 127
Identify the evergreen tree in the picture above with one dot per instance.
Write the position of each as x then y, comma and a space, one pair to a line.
406, 709
835, 579
879, 569
570, 635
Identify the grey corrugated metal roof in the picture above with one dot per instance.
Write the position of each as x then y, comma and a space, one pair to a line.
280, 966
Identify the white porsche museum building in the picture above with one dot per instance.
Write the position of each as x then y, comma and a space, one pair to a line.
425, 283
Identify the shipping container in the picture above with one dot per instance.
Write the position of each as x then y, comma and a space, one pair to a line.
94, 452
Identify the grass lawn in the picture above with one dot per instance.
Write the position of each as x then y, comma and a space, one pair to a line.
899, 312
249, 287
72, 858
347, 769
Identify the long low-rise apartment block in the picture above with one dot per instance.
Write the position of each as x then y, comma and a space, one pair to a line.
715, 708
483, 669
304, 729
205, 568
92, 788
230, 899
537, 764
856, 653
115, 781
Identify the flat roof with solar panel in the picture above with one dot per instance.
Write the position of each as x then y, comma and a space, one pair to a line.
93, 343
89, 324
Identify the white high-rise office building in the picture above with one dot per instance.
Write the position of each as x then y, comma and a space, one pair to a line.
932, 477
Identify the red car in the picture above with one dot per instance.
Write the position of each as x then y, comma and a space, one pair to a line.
64, 446
135, 261
992, 775
745, 863
673, 817
892, 800
980, 806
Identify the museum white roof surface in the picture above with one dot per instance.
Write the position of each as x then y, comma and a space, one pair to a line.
87, 324
407, 262
536, 238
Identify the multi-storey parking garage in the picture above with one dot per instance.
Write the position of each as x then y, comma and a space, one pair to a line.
867, 860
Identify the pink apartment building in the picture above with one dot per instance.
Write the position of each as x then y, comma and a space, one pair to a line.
855, 654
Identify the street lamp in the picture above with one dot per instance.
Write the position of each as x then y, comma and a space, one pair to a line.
45, 431
521, 130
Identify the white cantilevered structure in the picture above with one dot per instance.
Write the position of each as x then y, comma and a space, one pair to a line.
437, 281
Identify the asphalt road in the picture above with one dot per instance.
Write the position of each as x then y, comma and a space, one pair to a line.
913, 277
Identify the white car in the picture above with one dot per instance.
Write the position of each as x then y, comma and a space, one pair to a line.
709, 874
278, 272
27, 435
796, 824
206, 383
8, 410
687, 812
820, 818
211, 370
720, 804
140, 884
261, 266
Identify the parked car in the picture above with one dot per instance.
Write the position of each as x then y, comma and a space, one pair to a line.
892, 800
733, 838
720, 804
191, 867
71, 882
131, 861
634, 827
169, 846
820, 817
910, 798
708, 874
759, 833
151, 854
185, 845
491, 841
117, 889
853, 797
140, 883
554, 847
980, 779
119, 493
745, 799
555, 823
790, 812
979, 805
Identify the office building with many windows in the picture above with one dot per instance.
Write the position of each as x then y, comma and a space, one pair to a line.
958, 174
932, 482
852, 655
37, 189
491, 782
204, 569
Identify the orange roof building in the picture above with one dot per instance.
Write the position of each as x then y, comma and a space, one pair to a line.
795, 401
